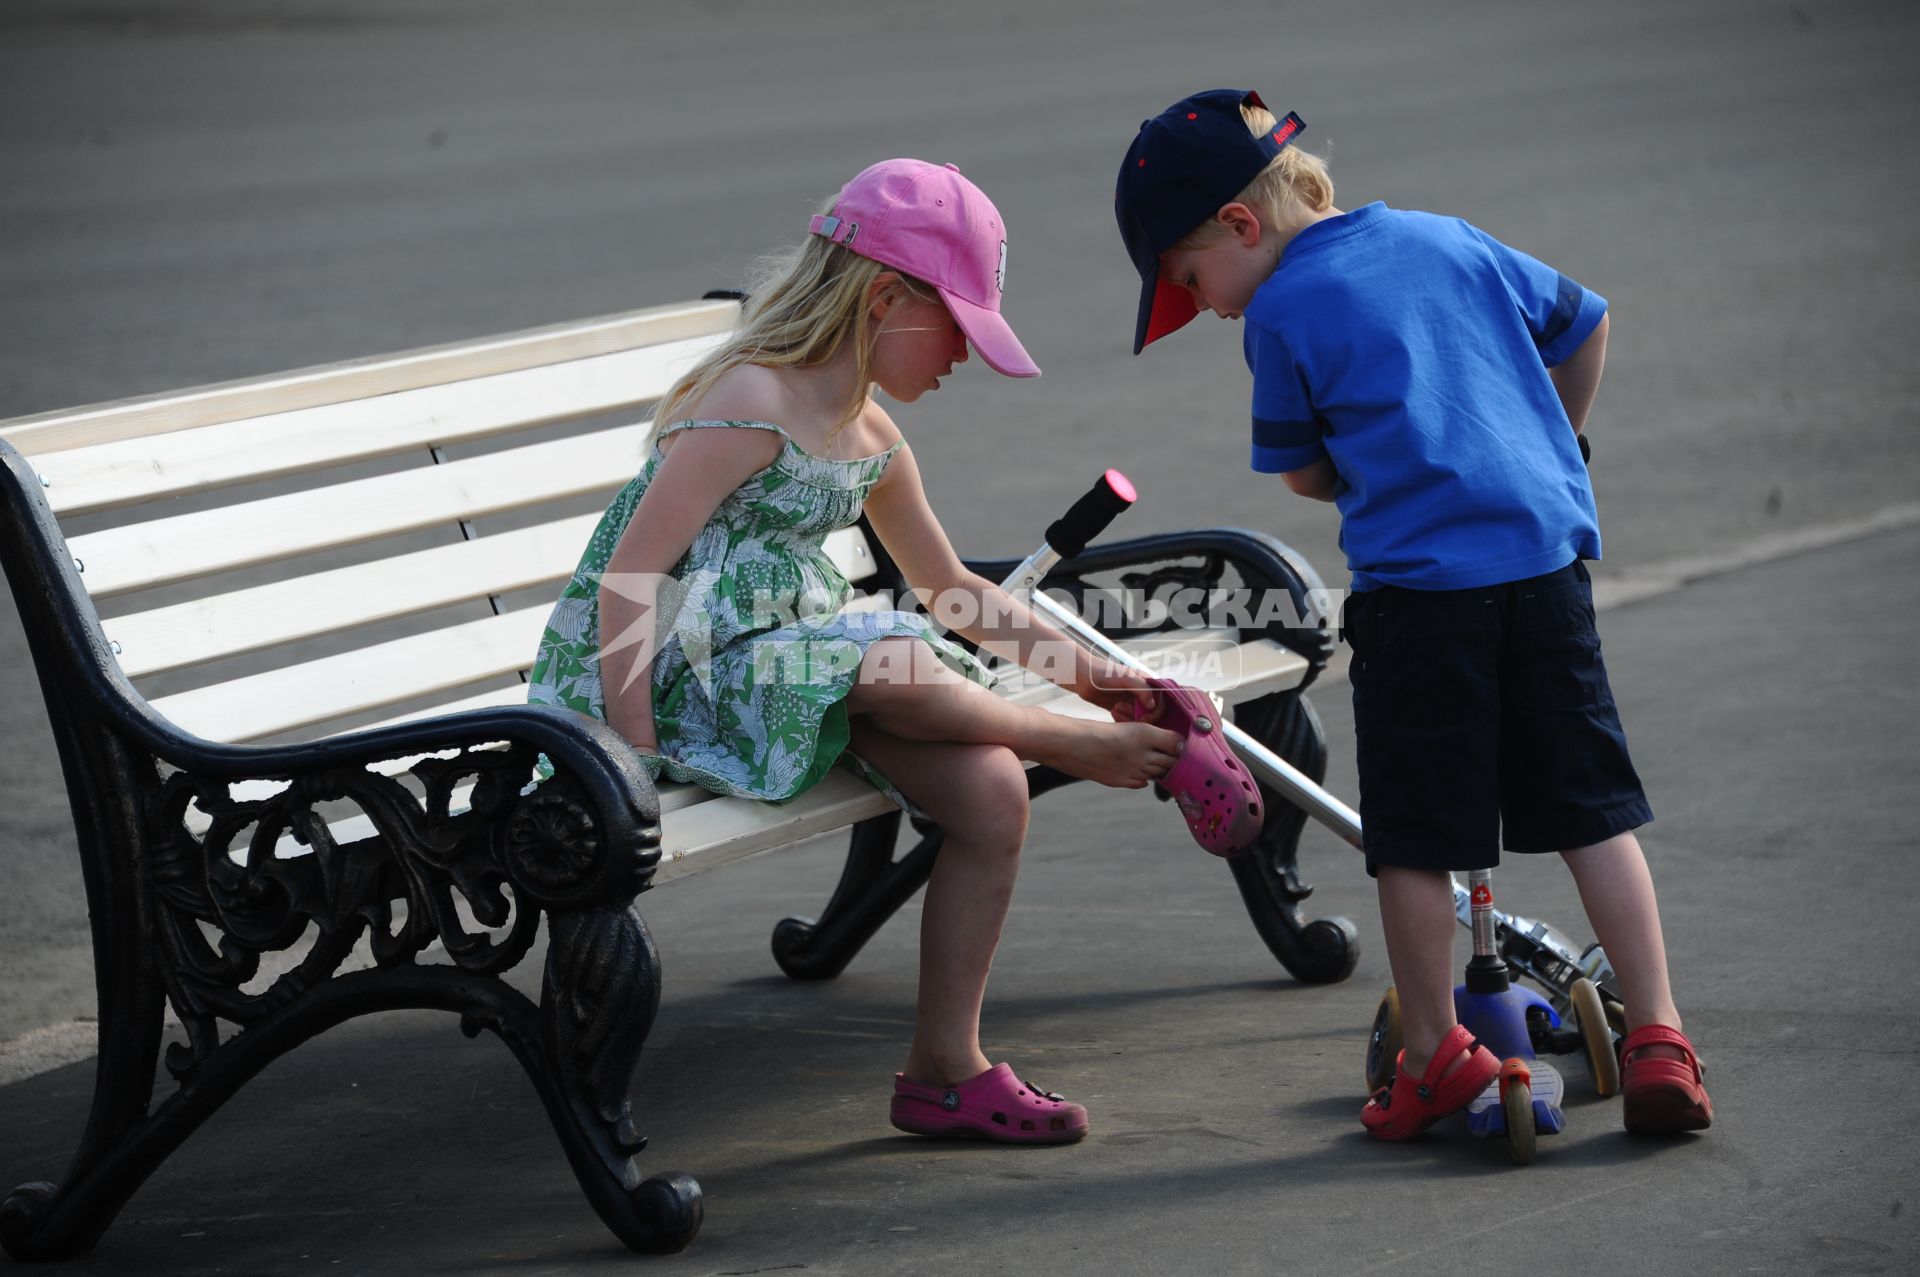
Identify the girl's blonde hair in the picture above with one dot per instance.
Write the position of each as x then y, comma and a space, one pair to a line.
802, 310
1294, 184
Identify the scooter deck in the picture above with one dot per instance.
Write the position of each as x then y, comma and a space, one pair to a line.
1487, 1117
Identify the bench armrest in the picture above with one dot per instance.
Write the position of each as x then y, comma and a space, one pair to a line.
1263, 564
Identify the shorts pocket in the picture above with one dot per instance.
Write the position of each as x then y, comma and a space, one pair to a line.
1554, 650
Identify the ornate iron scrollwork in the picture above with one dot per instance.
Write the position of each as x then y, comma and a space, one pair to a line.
504, 857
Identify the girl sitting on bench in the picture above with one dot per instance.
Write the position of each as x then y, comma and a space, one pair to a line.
705, 622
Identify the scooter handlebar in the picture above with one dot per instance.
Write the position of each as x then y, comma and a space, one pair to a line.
1090, 515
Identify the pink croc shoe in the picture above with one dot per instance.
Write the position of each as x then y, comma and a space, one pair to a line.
996, 1105
1214, 790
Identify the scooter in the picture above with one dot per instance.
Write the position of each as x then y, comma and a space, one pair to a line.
1579, 983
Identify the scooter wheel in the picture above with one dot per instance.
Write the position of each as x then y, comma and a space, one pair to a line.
1333, 945
1384, 1043
1597, 1035
1516, 1098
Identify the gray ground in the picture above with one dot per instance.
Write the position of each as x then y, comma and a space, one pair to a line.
195, 192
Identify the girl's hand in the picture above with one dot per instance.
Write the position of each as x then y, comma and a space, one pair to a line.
1122, 692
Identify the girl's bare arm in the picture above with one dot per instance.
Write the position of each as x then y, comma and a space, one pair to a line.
976, 608
695, 476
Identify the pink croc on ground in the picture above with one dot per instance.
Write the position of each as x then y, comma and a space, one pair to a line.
996, 1105
1214, 790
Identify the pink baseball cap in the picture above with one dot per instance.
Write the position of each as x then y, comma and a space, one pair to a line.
927, 220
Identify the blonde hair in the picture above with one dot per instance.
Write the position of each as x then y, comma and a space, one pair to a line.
1294, 184
802, 310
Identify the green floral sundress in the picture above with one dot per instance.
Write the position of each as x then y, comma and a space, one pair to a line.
750, 685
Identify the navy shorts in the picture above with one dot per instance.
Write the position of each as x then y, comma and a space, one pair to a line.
1482, 713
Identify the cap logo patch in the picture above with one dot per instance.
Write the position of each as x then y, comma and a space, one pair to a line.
1000, 271
1287, 129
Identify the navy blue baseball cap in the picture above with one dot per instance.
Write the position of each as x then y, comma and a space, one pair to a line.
1184, 165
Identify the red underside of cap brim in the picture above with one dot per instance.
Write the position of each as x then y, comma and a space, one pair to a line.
1173, 309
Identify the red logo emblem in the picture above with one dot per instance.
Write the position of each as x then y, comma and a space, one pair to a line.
1482, 895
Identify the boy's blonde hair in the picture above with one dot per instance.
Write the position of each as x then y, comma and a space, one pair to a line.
1294, 184
802, 310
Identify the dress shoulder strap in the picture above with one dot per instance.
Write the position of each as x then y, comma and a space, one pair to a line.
705, 423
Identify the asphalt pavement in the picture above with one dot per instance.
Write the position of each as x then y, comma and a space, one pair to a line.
201, 191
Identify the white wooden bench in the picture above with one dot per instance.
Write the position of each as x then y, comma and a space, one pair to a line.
284, 625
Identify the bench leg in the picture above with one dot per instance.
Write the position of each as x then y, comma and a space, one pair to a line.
43, 1220
578, 1048
573, 1058
597, 1003
872, 888
1326, 949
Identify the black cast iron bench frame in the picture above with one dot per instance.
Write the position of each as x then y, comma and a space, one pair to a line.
577, 850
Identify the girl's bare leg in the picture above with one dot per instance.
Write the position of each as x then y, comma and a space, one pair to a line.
978, 796
905, 691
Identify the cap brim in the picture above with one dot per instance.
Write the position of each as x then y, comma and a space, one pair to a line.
1162, 311
990, 334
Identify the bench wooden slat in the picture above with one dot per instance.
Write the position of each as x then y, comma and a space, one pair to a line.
513, 694
363, 378
728, 829
403, 669
398, 670
183, 546
246, 620
146, 469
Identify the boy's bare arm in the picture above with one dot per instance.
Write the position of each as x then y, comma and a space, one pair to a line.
1319, 480
1577, 378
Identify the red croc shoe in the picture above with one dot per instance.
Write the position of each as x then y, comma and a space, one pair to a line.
995, 1105
1660, 1094
1213, 789
1407, 1108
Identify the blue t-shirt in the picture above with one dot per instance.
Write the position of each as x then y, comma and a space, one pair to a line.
1413, 350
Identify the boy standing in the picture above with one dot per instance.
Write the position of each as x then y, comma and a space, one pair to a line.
1432, 383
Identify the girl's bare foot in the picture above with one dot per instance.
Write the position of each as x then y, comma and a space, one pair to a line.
1123, 755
